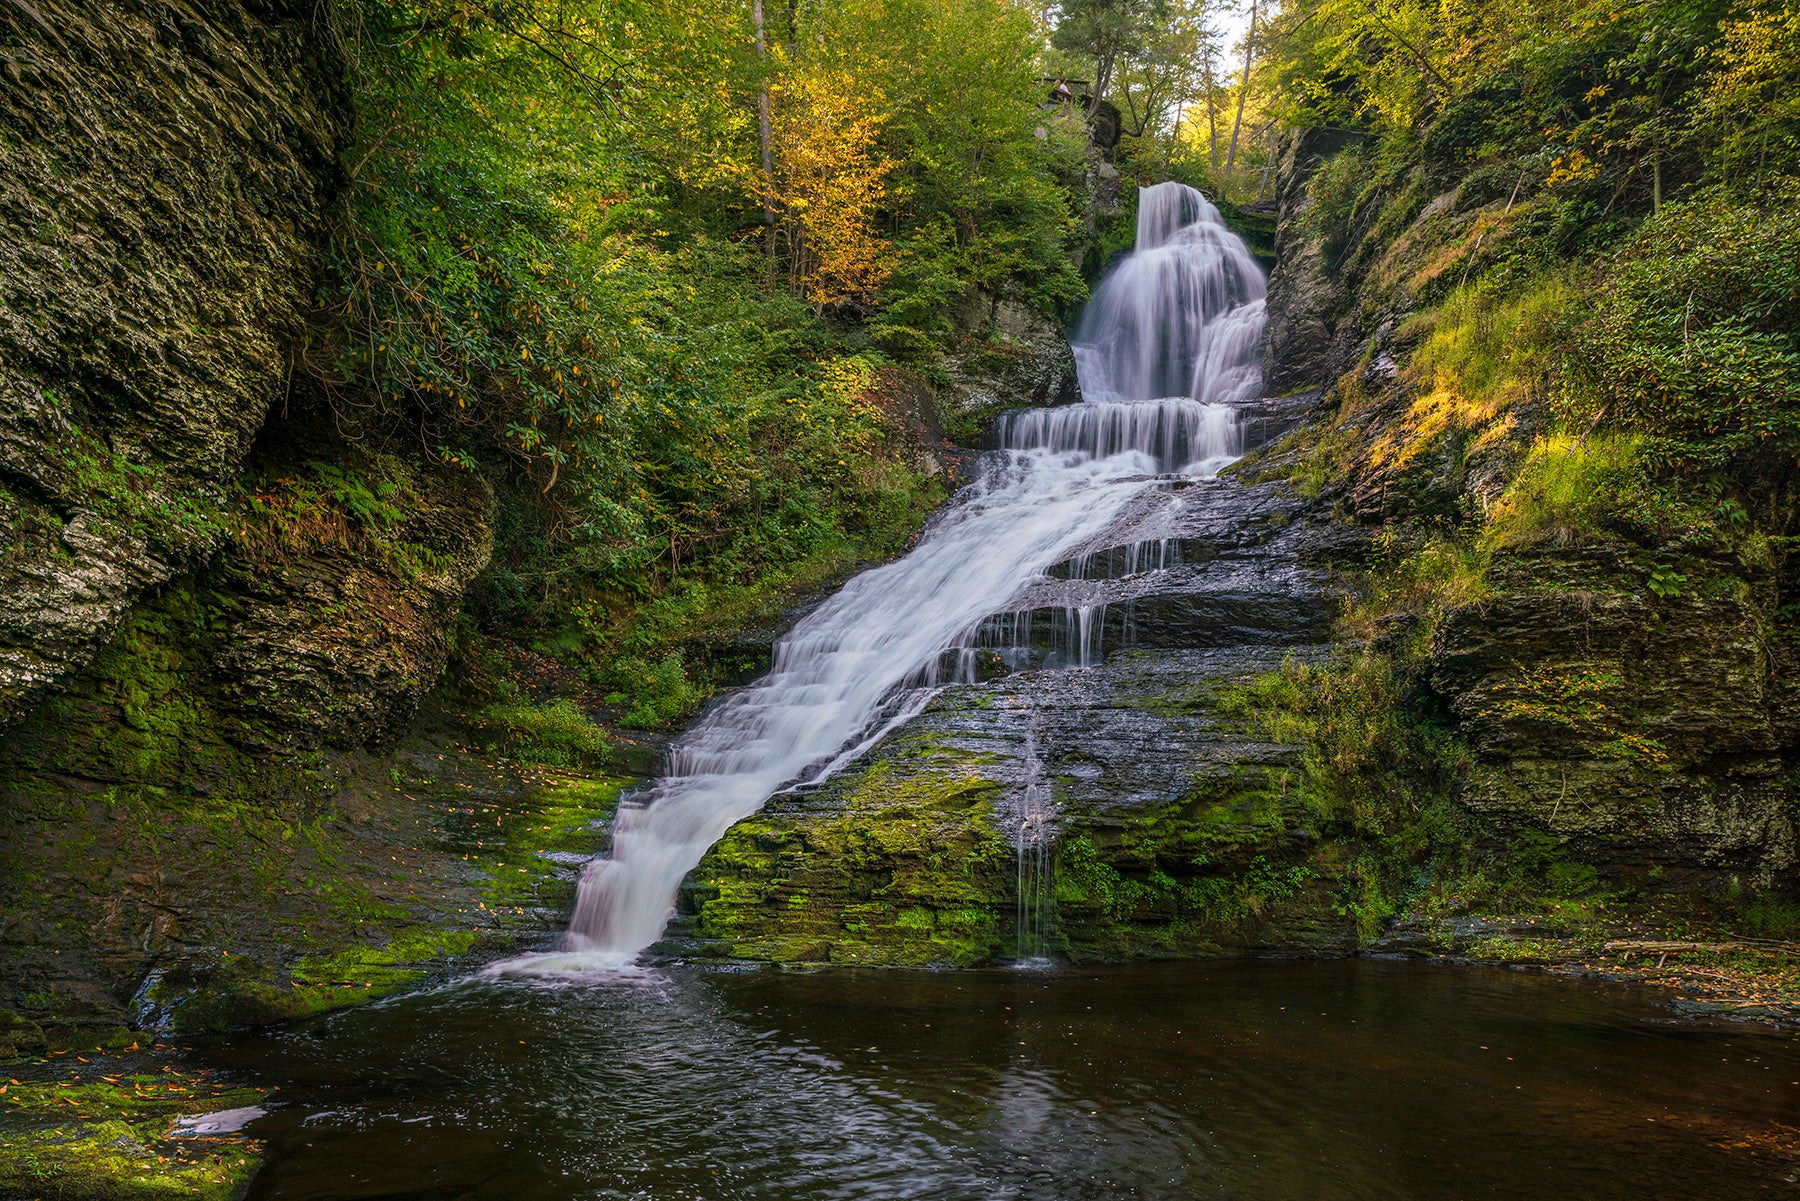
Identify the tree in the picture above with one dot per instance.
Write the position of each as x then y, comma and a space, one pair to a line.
828, 179
1106, 31
1244, 89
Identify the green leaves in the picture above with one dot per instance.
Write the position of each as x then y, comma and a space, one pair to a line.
1693, 339
1666, 582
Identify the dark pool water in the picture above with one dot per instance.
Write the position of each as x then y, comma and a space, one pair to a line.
1356, 1079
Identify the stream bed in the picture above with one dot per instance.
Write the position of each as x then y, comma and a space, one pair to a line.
1249, 1080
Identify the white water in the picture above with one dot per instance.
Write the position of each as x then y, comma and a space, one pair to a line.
1181, 315
1187, 306
1033, 830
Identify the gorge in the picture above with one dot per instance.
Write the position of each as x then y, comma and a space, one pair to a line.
562, 566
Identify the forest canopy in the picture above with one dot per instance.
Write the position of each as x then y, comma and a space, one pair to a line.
646, 263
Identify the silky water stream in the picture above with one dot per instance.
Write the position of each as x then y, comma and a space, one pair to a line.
581, 1073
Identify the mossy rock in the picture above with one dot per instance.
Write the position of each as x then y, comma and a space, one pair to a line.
20, 1036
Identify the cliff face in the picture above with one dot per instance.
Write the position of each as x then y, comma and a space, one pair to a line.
1642, 726
209, 599
167, 169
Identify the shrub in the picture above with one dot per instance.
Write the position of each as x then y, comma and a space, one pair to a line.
555, 733
1693, 339
654, 694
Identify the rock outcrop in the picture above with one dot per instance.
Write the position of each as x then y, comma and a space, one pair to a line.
1305, 292
1644, 730
167, 172
208, 597
333, 635
1005, 355
1637, 729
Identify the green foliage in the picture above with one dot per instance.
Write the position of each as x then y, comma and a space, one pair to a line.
1372, 764
1377, 769
1425, 582
552, 267
1771, 915
1569, 488
1574, 701
1750, 111
654, 695
1693, 340
1665, 581
1604, 108
1537, 865
1495, 347
557, 732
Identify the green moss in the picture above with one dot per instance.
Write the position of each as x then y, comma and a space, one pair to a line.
363, 502
19, 1036
567, 813
904, 868
129, 498
103, 1135
1376, 774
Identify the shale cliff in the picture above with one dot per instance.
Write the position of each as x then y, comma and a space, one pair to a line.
168, 169
1624, 680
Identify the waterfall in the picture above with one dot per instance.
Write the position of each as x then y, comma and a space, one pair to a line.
1181, 315
1033, 829
1165, 348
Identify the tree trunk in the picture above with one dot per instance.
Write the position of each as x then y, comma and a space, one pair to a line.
1103, 68
766, 134
1244, 91
1212, 117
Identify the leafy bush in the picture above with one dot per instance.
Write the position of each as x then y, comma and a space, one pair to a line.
556, 733
1695, 339
654, 694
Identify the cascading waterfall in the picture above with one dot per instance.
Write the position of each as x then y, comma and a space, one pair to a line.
1179, 316
1166, 347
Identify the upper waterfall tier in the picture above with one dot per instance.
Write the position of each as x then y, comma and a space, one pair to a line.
1179, 316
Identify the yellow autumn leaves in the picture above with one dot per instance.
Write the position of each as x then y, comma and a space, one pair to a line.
828, 180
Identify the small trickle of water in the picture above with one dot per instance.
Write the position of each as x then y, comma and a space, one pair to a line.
1166, 348
1033, 833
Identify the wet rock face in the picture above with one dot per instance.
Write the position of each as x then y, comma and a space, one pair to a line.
167, 169
337, 643
183, 797
1089, 812
1006, 355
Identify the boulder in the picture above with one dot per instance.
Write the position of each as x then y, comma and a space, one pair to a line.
1005, 355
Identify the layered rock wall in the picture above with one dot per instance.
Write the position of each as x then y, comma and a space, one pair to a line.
167, 169
1641, 730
